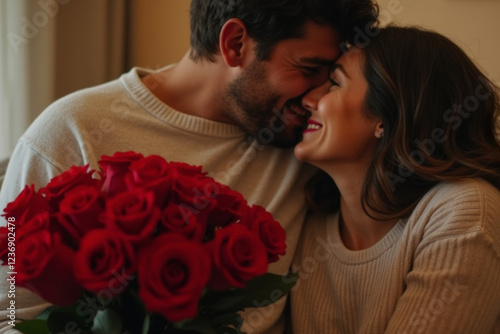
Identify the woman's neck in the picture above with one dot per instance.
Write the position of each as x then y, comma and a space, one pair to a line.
358, 229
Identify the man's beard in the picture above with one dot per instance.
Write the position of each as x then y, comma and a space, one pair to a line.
250, 102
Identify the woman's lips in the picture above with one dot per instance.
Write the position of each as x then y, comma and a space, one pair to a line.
312, 126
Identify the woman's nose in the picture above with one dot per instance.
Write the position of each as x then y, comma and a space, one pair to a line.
311, 98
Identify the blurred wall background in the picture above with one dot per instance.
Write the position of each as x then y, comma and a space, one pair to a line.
161, 28
473, 24
160, 32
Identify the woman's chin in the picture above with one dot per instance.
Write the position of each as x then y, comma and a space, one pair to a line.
301, 153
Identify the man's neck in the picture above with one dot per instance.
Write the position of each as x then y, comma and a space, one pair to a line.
190, 87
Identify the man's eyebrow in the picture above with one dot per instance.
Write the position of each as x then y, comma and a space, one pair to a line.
341, 68
318, 61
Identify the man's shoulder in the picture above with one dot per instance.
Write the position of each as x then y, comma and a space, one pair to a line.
76, 110
88, 100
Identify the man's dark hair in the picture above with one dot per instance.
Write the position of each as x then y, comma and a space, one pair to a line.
271, 21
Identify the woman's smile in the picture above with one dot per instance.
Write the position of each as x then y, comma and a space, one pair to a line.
312, 126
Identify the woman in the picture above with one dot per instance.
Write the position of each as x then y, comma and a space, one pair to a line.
409, 237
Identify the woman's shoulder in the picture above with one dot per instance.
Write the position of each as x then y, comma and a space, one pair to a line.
468, 195
468, 184
469, 206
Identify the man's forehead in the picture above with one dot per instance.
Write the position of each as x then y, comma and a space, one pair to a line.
322, 44
319, 46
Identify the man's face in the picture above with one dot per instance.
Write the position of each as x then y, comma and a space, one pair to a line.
266, 98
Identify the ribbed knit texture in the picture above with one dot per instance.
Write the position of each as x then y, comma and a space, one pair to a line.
123, 115
438, 271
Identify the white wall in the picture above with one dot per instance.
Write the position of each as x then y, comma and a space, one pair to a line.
473, 24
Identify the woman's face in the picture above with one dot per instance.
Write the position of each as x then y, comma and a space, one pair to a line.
339, 132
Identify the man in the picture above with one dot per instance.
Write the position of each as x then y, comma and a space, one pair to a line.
237, 90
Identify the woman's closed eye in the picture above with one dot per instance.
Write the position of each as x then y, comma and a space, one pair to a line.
333, 82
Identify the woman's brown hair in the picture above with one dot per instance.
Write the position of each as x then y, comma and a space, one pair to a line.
439, 113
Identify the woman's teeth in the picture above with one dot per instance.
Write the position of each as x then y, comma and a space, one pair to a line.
313, 127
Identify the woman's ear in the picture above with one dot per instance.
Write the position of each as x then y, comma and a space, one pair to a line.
233, 42
379, 130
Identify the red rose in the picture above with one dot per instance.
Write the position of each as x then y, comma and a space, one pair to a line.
133, 214
228, 208
40, 222
173, 272
63, 183
151, 173
27, 203
271, 233
4, 243
79, 211
105, 262
180, 168
114, 170
44, 265
175, 218
238, 256
188, 194
191, 191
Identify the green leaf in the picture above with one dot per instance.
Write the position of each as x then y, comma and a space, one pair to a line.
68, 319
34, 326
200, 324
56, 319
107, 322
259, 292
146, 324
133, 312
233, 319
228, 330
45, 314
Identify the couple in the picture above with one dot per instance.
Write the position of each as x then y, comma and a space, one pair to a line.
406, 205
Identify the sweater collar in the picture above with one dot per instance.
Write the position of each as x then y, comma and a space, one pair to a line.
158, 109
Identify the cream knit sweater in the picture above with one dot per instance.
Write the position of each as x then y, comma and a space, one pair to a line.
123, 115
437, 271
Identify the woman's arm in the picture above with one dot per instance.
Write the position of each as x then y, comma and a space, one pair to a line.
454, 285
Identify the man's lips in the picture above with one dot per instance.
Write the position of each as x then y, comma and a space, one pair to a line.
295, 114
312, 126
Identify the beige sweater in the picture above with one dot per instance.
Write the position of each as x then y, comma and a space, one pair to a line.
437, 271
123, 115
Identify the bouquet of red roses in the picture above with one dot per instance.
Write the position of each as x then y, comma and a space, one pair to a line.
147, 246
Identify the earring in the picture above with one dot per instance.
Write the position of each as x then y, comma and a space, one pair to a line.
380, 134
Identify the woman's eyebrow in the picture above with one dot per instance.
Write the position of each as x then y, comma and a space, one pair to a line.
341, 68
